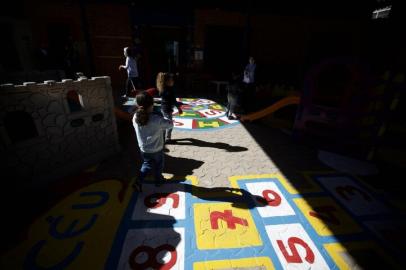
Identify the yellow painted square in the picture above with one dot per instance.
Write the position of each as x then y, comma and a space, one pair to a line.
232, 264
224, 237
342, 222
342, 254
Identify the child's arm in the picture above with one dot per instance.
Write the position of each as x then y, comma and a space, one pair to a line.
126, 65
176, 103
152, 92
165, 123
179, 105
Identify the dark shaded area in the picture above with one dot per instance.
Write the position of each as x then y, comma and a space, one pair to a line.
293, 158
239, 198
200, 143
181, 167
14, 121
223, 50
8, 49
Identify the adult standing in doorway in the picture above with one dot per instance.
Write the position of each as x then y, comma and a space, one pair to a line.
132, 71
249, 82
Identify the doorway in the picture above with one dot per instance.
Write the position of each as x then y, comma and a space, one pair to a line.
223, 50
165, 53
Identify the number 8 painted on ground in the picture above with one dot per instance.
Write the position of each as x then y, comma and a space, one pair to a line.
152, 259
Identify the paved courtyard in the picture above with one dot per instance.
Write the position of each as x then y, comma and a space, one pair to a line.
238, 196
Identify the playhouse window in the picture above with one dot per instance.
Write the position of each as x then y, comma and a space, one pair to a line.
20, 126
75, 101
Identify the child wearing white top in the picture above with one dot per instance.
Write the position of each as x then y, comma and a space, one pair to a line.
132, 71
149, 128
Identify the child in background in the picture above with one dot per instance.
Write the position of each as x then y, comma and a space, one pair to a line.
164, 84
149, 127
233, 96
132, 71
249, 81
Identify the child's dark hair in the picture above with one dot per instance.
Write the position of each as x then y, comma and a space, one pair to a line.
162, 79
129, 52
144, 102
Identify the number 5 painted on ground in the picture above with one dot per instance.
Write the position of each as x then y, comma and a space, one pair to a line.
295, 257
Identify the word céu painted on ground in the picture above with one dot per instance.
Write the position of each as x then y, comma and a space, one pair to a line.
77, 233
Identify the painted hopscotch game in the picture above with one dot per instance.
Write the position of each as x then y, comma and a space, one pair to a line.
201, 114
198, 114
261, 222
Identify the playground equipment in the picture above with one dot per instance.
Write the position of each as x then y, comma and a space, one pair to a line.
52, 129
290, 100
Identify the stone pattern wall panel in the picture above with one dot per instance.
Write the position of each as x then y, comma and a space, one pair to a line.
67, 140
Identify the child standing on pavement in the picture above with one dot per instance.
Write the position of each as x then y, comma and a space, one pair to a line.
164, 84
132, 71
148, 128
233, 97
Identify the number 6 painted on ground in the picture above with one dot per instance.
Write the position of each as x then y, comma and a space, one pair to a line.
275, 201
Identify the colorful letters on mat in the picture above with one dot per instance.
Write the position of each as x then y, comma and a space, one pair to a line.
201, 114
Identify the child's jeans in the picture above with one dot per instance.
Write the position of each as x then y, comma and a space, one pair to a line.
168, 132
149, 160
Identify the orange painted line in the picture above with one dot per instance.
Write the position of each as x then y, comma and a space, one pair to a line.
292, 100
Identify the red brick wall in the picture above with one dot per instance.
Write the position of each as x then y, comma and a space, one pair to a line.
214, 17
41, 14
109, 29
280, 41
110, 32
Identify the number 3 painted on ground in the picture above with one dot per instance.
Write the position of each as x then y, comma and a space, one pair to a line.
343, 191
295, 257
